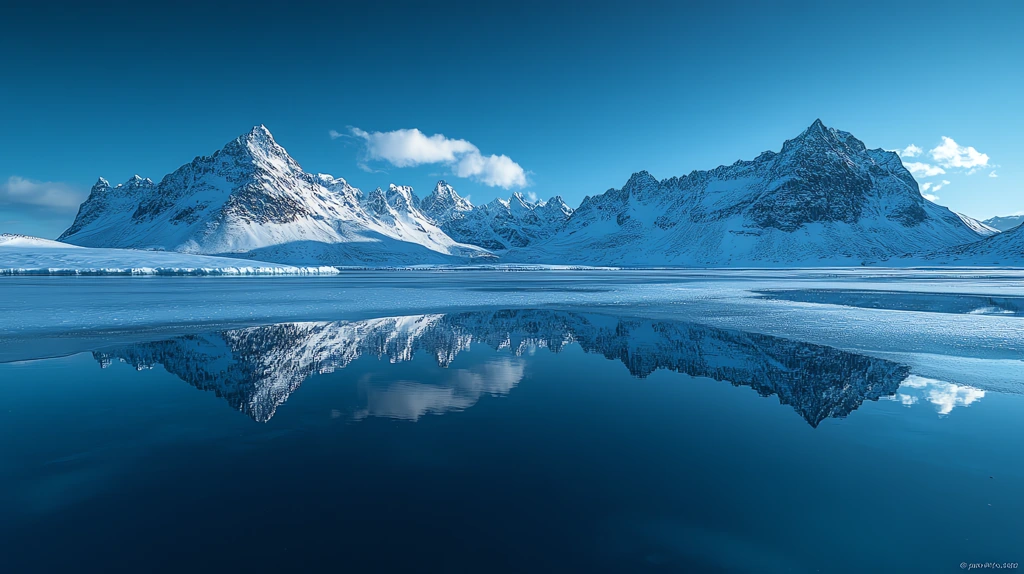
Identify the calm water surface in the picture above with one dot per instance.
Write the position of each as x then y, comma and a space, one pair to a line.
501, 441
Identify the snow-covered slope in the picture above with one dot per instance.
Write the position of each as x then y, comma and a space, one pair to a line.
980, 227
1004, 223
1005, 249
252, 200
11, 241
498, 225
824, 199
257, 368
23, 255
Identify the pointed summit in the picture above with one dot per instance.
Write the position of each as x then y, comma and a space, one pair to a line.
444, 203
444, 189
402, 198
817, 136
555, 207
100, 185
257, 142
259, 137
258, 145
816, 130
136, 182
640, 183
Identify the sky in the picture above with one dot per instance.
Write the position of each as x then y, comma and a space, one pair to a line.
544, 98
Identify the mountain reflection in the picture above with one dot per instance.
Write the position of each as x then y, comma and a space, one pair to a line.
255, 369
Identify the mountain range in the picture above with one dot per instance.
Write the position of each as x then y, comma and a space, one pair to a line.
1004, 223
823, 199
252, 200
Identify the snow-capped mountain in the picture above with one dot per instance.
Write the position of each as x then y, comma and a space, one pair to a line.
1004, 223
498, 225
1006, 248
256, 369
251, 199
823, 199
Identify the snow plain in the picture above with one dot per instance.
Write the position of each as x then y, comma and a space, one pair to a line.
24, 255
955, 325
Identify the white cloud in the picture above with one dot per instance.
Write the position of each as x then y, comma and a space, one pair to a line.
939, 186
930, 197
992, 174
411, 147
924, 169
909, 151
949, 155
945, 396
45, 194
926, 186
411, 400
335, 134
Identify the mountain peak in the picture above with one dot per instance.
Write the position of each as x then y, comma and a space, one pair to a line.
444, 203
260, 131
137, 181
259, 136
818, 129
259, 142
818, 137
402, 197
640, 182
258, 146
101, 183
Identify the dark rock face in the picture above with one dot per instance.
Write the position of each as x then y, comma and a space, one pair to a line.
256, 369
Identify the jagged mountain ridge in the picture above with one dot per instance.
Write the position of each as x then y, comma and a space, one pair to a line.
255, 369
1005, 222
251, 199
498, 225
825, 198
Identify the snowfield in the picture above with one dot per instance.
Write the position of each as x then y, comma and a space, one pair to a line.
23, 255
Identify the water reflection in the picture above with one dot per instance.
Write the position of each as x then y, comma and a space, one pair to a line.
944, 396
256, 369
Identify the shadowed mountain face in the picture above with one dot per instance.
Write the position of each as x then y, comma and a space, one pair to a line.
256, 369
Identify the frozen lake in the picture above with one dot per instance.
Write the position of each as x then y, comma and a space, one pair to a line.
750, 421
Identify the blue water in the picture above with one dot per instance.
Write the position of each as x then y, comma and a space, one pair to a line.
500, 441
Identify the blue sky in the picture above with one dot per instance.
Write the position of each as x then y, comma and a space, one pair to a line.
565, 99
